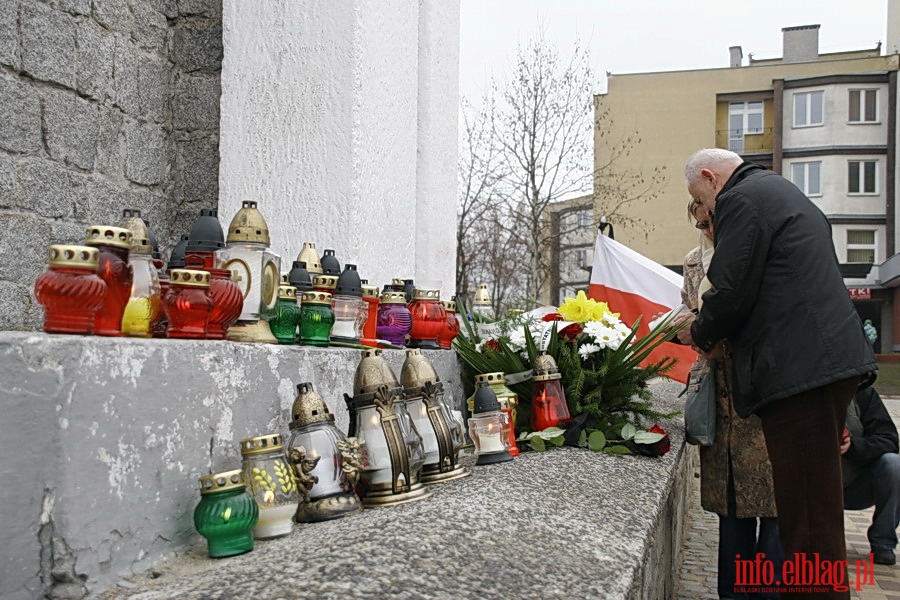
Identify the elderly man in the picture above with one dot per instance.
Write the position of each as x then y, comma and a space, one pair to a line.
798, 348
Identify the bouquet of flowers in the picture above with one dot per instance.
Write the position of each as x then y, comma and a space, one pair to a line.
599, 358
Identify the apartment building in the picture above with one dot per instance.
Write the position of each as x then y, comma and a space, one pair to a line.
827, 122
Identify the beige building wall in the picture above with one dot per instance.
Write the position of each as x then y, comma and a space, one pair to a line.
674, 114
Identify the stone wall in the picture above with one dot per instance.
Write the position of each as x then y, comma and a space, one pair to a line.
104, 105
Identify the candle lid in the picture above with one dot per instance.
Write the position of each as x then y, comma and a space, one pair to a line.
260, 444
221, 482
80, 257
248, 225
189, 278
315, 297
105, 235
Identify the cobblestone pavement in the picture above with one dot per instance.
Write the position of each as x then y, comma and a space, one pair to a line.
696, 577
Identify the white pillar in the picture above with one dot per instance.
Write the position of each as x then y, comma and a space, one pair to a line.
320, 125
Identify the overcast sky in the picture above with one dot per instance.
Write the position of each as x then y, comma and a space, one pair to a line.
636, 36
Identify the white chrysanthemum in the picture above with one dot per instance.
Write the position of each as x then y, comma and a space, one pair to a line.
517, 339
479, 346
587, 349
604, 335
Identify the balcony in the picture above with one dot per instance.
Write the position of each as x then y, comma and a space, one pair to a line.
757, 141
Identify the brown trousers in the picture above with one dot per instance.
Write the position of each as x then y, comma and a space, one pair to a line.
803, 439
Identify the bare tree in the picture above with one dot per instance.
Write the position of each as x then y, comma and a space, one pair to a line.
544, 127
529, 146
480, 174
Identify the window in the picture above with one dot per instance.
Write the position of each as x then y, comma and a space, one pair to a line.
808, 177
743, 118
581, 258
863, 106
808, 109
584, 219
860, 246
862, 177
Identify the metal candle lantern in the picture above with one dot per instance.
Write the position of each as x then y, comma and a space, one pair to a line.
337, 459
114, 244
549, 407
70, 290
487, 426
187, 304
145, 304
429, 318
378, 417
287, 315
394, 320
441, 433
509, 403
226, 514
316, 318
271, 481
257, 271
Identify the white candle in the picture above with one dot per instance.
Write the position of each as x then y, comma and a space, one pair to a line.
274, 521
490, 442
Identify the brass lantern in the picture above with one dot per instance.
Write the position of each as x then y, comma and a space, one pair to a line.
442, 435
379, 419
337, 460
257, 271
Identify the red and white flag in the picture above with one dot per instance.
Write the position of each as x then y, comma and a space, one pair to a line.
634, 286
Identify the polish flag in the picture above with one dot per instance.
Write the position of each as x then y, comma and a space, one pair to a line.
634, 286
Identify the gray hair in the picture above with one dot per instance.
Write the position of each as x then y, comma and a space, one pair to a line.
709, 158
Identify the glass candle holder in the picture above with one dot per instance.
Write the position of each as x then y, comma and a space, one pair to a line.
316, 318
428, 319
372, 300
161, 325
287, 316
337, 460
145, 303
451, 325
487, 428
187, 304
114, 244
349, 309
394, 320
70, 291
482, 307
548, 398
226, 514
272, 483
508, 399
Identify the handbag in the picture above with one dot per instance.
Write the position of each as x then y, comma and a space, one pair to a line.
700, 405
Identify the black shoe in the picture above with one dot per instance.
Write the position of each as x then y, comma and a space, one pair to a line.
883, 556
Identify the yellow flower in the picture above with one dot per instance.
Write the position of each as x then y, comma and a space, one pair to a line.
577, 309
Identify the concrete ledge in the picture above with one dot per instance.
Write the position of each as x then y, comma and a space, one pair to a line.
563, 524
103, 441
